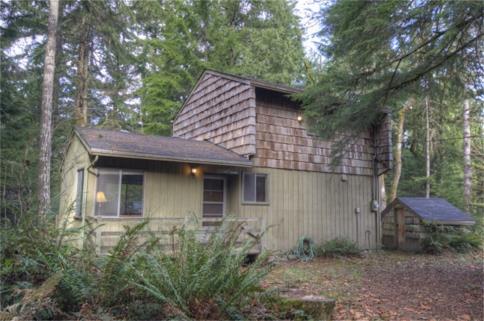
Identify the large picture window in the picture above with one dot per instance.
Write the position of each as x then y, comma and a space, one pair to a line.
254, 188
119, 193
79, 192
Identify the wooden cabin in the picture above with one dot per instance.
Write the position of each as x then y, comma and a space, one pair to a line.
240, 150
404, 219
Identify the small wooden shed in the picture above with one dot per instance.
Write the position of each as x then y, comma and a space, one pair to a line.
404, 219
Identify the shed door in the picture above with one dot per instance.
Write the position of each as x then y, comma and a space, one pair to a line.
213, 196
400, 227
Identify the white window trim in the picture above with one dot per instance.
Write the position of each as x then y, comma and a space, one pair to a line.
120, 173
242, 196
225, 196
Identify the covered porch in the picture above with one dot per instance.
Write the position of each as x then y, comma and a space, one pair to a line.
168, 182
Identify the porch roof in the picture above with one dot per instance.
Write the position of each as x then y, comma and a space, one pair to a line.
123, 144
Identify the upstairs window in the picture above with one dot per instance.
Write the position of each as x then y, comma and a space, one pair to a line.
119, 193
254, 188
79, 192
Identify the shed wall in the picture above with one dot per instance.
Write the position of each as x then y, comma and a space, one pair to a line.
414, 231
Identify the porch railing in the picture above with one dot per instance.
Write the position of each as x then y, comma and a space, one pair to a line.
107, 231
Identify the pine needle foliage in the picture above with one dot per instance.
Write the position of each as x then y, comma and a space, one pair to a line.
380, 52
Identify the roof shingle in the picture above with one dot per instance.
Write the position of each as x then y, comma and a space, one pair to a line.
434, 210
131, 145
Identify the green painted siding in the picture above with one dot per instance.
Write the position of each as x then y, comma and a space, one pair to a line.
301, 203
319, 205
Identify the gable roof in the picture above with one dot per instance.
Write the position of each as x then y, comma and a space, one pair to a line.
433, 210
256, 83
112, 143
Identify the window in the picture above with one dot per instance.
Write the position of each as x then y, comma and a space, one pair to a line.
255, 188
79, 192
131, 194
213, 196
119, 193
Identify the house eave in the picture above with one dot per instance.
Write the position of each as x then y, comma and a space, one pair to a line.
110, 153
275, 87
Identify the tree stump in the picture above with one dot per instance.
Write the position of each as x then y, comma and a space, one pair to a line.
316, 307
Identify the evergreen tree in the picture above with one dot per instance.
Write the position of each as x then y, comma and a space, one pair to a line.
255, 38
43, 186
380, 52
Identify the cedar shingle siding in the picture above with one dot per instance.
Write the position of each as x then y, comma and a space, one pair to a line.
283, 142
253, 118
384, 143
222, 111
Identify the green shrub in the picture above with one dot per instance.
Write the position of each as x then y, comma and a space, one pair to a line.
202, 281
196, 281
114, 283
338, 247
439, 238
32, 252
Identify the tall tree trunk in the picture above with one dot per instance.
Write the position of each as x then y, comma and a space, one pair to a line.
398, 155
80, 103
467, 157
43, 187
427, 148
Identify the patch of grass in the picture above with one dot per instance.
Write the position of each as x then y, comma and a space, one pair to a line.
294, 276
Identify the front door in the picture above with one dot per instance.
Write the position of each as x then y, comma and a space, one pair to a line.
214, 196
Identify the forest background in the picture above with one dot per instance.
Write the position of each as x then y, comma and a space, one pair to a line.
130, 64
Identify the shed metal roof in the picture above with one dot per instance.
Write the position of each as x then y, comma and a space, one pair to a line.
112, 143
433, 210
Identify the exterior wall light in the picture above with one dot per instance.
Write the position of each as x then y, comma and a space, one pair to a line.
299, 118
194, 171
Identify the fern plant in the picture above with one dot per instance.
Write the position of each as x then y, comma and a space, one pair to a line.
198, 280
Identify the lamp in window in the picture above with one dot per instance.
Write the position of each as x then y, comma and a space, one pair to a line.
100, 200
100, 197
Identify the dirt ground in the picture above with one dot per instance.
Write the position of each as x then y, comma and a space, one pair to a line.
390, 285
